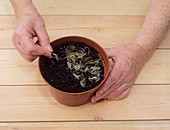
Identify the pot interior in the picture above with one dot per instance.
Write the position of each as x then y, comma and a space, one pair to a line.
89, 42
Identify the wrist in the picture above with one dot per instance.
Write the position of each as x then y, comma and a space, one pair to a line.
27, 11
135, 49
146, 44
23, 7
140, 45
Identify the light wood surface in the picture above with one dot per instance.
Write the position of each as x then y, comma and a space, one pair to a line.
107, 125
108, 31
35, 103
84, 7
25, 100
14, 70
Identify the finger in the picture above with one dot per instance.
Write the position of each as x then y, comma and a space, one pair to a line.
18, 46
127, 75
113, 77
30, 48
26, 40
124, 94
111, 92
120, 81
118, 91
111, 52
124, 78
43, 37
112, 89
94, 98
29, 58
38, 50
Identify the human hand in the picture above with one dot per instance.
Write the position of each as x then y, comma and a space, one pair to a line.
30, 24
128, 61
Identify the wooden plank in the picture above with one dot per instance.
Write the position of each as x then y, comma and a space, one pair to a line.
108, 31
34, 103
85, 7
99, 125
156, 70
14, 70
5, 7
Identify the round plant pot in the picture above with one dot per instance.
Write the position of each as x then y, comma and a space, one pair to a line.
76, 99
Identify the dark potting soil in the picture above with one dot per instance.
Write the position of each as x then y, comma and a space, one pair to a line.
59, 75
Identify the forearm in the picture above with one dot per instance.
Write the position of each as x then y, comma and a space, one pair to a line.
155, 26
21, 5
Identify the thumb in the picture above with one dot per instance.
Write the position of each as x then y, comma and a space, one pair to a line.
109, 52
43, 37
113, 52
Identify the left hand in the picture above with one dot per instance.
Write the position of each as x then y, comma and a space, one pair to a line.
30, 24
128, 61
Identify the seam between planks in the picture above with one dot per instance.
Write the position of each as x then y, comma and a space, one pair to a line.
87, 121
104, 48
76, 15
46, 85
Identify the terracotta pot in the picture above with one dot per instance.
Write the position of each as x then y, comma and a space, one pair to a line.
76, 99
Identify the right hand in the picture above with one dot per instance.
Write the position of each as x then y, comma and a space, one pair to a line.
128, 60
30, 24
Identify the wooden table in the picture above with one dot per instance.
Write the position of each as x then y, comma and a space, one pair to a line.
25, 101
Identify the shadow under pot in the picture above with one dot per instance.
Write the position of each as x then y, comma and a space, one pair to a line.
77, 68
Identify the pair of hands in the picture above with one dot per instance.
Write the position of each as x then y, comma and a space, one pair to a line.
128, 59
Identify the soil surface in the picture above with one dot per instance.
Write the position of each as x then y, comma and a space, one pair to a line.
59, 75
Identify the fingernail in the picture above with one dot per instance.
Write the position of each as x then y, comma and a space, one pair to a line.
94, 99
49, 48
99, 93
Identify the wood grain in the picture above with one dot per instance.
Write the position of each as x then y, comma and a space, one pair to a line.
14, 70
108, 31
100, 125
85, 7
34, 103
26, 102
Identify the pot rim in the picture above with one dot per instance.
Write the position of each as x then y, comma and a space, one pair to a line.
107, 71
